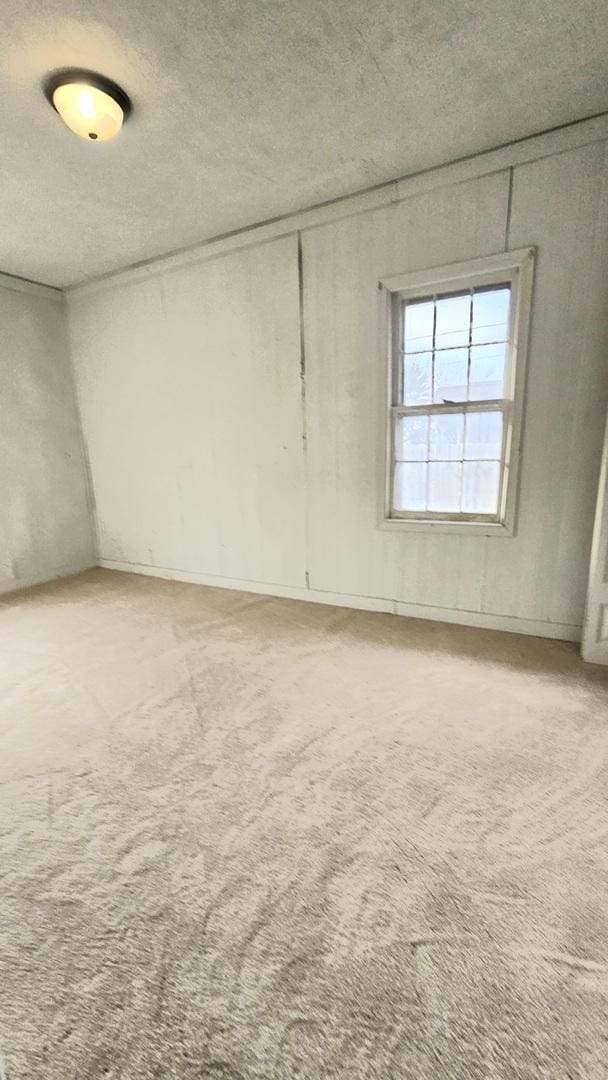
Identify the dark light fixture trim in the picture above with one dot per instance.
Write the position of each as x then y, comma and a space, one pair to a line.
91, 78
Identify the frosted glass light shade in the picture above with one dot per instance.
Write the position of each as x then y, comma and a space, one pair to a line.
87, 111
91, 105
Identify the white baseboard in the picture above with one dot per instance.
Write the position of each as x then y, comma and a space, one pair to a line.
487, 621
14, 585
481, 619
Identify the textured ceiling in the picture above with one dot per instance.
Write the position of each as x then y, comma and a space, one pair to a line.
248, 109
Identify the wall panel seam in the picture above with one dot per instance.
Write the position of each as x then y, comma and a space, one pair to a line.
301, 317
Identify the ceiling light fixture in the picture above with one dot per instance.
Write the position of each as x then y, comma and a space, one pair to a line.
89, 104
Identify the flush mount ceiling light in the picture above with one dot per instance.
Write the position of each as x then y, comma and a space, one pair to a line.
91, 105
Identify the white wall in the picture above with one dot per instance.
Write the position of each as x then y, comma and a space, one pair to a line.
190, 386
45, 522
191, 401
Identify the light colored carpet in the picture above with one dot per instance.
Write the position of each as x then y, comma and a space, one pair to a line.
255, 838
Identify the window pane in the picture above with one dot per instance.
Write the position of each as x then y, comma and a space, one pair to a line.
412, 438
483, 438
446, 437
410, 486
451, 375
480, 487
490, 316
487, 372
417, 376
452, 321
444, 486
418, 335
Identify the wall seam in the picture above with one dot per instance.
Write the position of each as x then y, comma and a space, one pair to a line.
509, 207
303, 403
91, 501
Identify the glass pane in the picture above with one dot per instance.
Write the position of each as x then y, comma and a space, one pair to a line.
412, 438
417, 375
418, 335
487, 372
480, 487
490, 316
446, 437
452, 321
483, 438
444, 486
451, 375
410, 486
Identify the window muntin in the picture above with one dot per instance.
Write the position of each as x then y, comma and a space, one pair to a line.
451, 404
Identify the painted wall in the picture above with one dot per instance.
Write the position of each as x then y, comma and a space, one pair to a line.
192, 406
45, 522
205, 466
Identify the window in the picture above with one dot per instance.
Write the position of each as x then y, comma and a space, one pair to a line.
456, 378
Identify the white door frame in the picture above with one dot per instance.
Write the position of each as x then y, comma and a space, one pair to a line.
595, 627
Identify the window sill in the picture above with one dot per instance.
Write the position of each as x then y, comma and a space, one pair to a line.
495, 529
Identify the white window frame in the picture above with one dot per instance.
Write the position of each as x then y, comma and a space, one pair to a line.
515, 268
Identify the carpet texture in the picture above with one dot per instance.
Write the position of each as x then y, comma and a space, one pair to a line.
245, 838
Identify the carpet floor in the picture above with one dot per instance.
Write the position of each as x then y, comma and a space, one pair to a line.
245, 838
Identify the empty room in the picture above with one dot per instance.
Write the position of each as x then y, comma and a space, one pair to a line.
304, 540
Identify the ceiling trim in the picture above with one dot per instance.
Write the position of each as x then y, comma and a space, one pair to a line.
23, 285
533, 147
